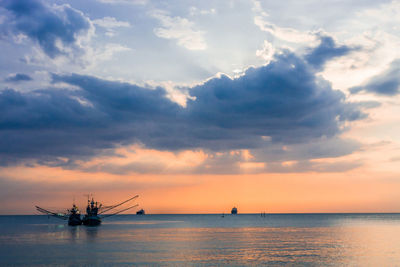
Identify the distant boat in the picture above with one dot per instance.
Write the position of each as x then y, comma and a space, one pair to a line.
234, 210
140, 212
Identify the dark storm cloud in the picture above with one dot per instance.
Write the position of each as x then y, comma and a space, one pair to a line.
49, 26
283, 100
281, 103
386, 83
19, 77
325, 51
46, 124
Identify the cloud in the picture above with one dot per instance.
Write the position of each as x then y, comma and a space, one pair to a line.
286, 34
107, 52
180, 29
193, 11
53, 123
386, 83
18, 77
283, 100
130, 2
57, 29
110, 23
281, 104
326, 50
266, 52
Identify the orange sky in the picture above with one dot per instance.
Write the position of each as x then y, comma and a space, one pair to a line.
353, 191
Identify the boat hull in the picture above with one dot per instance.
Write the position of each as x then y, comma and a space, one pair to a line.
91, 220
74, 220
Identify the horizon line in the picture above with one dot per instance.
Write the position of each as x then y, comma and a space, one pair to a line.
243, 213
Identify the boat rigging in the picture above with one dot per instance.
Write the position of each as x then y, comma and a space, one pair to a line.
95, 212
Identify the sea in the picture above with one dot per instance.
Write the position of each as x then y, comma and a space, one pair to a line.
204, 240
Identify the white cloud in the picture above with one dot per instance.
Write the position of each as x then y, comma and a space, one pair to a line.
193, 11
110, 23
266, 52
178, 93
105, 53
377, 32
130, 2
257, 8
286, 34
180, 29
387, 15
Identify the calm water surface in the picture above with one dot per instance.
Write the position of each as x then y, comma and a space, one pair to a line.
204, 240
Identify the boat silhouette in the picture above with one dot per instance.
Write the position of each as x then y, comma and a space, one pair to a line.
234, 210
95, 212
140, 212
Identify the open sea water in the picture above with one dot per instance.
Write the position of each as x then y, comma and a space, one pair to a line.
204, 240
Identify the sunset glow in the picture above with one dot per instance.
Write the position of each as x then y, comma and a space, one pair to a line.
200, 106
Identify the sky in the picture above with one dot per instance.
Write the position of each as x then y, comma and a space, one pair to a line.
199, 106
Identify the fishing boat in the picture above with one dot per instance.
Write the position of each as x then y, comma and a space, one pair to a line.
91, 217
74, 217
140, 212
95, 212
234, 210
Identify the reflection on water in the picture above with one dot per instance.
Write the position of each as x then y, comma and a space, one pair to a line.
74, 233
91, 232
78, 233
362, 240
144, 222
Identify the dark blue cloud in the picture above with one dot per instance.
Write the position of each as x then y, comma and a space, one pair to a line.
386, 83
19, 77
45, 124
48, 25
283, 100
283, 103
325, 51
